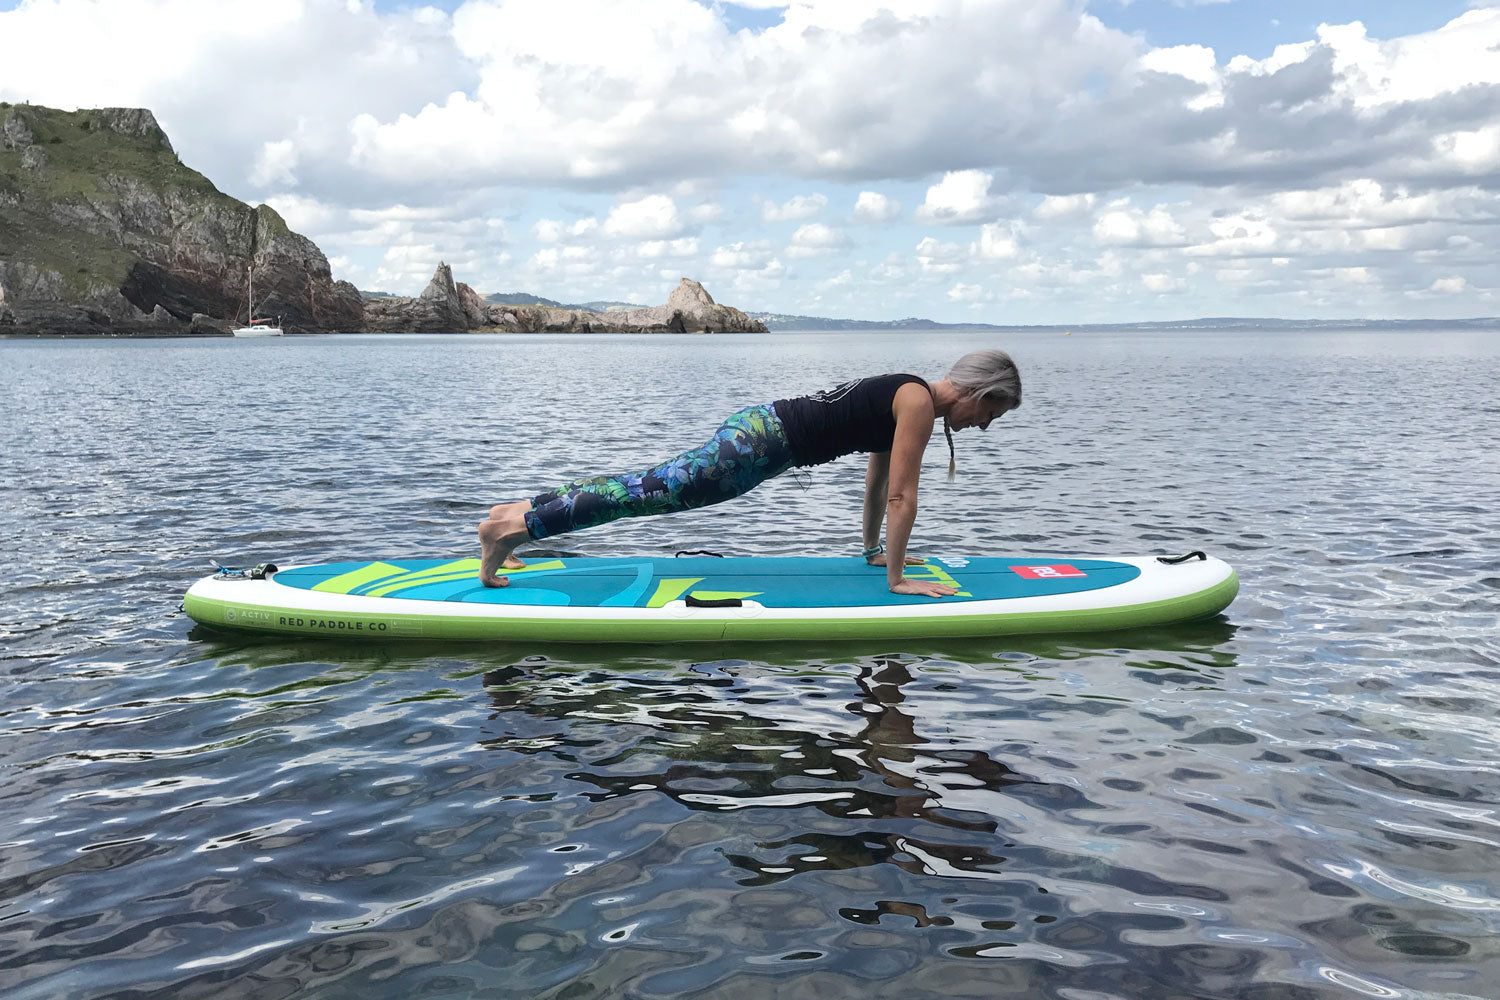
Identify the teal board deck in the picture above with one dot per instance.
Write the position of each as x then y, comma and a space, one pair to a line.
806, 582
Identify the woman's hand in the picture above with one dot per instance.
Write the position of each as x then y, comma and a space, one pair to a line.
880, 560
922, 588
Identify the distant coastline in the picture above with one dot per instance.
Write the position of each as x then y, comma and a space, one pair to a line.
788, 321
780, 321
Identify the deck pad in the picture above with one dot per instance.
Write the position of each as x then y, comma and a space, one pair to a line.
806, 582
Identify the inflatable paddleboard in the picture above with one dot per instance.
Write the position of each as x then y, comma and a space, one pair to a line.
707, 599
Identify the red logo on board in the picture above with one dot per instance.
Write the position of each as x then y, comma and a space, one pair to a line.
1057, 572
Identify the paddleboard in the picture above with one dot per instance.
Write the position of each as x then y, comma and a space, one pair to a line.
713, 599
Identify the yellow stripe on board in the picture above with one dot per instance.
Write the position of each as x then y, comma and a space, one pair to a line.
345, 582
932, 571
669, 590
449, 572
532, 568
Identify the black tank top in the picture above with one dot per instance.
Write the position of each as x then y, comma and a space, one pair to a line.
855, 416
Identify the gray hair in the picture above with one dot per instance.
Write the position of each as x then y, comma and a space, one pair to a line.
988, 373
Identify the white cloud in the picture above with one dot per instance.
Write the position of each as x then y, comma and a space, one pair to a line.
1122, 224
962, 196
937, 257
1238, 235
1471, 152
654, 216
687, 246
1195, 63
872, 206
408, 267
800, 207
553, 231
308, 216
1160, 282
965, 293
708, 211
997, 242
1060, 206
815, 240
1449, 286
276, 165
743, 256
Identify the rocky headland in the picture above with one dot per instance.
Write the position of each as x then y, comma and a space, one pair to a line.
103, 230
446, 307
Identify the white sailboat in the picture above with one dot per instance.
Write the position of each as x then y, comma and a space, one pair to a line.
256, 327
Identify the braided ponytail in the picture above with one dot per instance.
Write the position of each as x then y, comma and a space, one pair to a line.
989, 373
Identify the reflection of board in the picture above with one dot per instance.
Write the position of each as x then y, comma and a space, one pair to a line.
635, 600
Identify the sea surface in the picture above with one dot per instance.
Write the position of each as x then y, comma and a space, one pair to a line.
1299, 799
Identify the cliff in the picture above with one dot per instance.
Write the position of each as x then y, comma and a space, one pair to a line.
446, 307
104, 230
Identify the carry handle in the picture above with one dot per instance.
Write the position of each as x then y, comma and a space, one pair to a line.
1174, 560
694, 601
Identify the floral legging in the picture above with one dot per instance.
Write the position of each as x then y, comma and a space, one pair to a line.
748, 449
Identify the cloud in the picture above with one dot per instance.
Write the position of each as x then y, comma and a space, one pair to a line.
937, 257
687, 246
742, 256
872, 206
276, 165
706, 212
800, 207
553, 231
962, 196
652, 216
815, 240
1449, 286
1124, 225
996, 242
1062, 206
1160, 282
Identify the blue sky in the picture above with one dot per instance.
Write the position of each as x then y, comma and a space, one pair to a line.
1040, 161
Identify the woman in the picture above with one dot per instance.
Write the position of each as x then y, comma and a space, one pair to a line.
889, 416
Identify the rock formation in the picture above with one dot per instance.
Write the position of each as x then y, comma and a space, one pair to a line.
445, 307
104, 230
438, 309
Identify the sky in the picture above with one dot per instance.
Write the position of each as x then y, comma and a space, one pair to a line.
995, 161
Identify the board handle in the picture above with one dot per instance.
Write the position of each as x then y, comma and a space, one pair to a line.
719, 602
1174, 560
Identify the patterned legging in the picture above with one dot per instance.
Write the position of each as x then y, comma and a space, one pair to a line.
748, 449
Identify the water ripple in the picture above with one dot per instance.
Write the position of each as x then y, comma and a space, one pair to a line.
1296, 801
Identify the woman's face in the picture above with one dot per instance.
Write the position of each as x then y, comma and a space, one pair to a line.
970, 411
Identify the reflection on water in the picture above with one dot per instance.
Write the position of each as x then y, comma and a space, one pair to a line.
1297, 800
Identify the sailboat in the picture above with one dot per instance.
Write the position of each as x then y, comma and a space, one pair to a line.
256, 327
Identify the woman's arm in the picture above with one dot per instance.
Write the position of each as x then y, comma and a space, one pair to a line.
914, 414
877, 486
877, 479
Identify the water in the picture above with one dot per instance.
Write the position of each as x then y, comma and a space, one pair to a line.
1298, 800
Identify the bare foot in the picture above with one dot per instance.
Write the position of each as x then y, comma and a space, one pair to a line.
498, 537
496, 513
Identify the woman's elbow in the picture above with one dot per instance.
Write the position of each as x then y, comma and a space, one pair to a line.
901, 500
